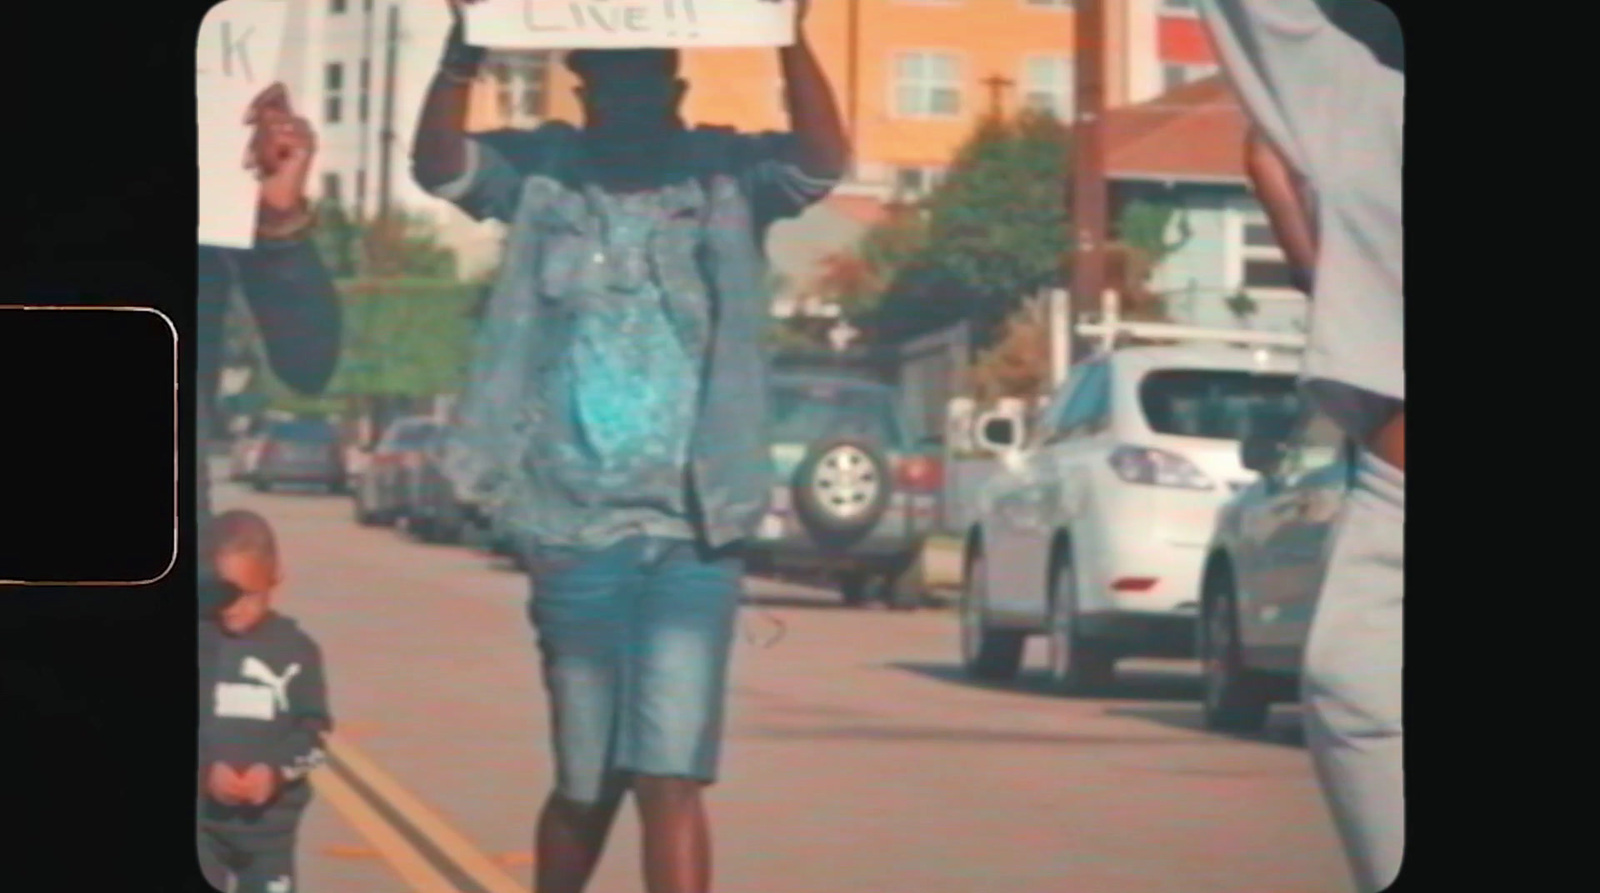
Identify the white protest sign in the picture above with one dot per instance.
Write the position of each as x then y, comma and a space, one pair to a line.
623, 24
236, 57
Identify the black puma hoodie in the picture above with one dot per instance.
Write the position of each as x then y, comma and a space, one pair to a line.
263, 699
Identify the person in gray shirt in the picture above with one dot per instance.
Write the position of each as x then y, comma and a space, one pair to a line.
616, 420
1323, 82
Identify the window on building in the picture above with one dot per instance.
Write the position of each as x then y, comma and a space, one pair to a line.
336, 7
361, 193
915, 181
333, 99
331, 189
1259, 235
927, 84
522, 86
1175, 75
1258, 266
1047, 85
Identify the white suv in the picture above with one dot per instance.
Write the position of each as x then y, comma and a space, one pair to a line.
1095, 531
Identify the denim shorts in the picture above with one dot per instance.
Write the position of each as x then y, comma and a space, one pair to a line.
635, 640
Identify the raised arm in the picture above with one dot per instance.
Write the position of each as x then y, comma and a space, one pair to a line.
821, 150
476, 173
287, 286
1280, 195
787, 172
1297, 73
439, 150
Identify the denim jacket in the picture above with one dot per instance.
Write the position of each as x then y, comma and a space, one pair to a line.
726, 191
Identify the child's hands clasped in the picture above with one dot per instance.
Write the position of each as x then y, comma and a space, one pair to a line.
252, 787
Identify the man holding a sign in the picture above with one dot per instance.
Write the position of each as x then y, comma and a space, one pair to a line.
617, 416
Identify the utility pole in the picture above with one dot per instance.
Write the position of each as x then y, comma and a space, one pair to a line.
386, 134
997, 87
1088, 165
853, 81
363, 112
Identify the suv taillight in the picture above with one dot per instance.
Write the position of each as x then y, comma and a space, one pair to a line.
921, 474
1158, 468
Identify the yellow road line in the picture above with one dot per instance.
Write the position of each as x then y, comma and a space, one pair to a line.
451, 842
406, 862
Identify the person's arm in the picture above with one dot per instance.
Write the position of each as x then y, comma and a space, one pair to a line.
1276, 188
287, 286
303, 749
788, 172
296, 308
1296, 74
477, 173
821, 150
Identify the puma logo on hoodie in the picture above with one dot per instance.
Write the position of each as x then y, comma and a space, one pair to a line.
263, 699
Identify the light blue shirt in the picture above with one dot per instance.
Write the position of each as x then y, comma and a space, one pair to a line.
633, 383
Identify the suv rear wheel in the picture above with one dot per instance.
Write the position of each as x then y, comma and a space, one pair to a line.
841, 490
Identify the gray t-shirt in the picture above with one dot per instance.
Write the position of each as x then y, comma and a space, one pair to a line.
1338, 116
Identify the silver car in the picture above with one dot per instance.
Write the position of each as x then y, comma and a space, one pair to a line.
299, 452
1265, 567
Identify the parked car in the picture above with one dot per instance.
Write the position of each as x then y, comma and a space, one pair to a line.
1094, 531
854, 500
433, 509
299, 451
1265, 568
243, 456
380, 491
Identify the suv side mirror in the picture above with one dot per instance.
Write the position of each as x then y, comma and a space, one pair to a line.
999, 433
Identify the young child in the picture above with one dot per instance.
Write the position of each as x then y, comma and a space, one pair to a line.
263, 712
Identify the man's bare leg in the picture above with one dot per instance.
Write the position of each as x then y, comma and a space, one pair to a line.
570, 839
677, 836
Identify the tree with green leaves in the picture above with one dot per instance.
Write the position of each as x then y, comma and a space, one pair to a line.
997, 231
403, 244
405, 339
991, 236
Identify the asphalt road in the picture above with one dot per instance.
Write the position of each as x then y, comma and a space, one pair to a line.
859, 758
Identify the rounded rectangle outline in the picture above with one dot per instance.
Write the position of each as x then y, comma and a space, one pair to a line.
172, 561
